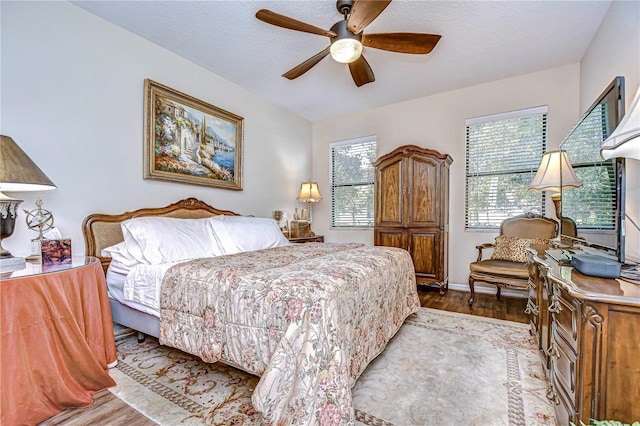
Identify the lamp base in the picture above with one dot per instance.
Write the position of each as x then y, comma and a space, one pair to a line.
556, 197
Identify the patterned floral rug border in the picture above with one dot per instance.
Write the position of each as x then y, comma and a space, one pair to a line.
472, 370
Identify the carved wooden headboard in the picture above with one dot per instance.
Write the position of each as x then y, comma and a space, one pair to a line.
103, 230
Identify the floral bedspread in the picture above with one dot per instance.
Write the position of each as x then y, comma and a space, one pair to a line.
306, 318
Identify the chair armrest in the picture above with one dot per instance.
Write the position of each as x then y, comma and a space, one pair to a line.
481, 247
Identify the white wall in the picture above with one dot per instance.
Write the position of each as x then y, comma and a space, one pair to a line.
614, 51
72, 98
438, 122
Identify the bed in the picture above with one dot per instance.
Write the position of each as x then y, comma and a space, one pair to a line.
306, 318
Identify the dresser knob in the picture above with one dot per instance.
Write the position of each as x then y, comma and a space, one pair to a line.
553, 396
553, 351
555, 306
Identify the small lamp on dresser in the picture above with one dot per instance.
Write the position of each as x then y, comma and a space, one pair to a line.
309, 193
17, 173
555, 174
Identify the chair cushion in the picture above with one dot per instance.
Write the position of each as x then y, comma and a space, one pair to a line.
513, 249
502, 268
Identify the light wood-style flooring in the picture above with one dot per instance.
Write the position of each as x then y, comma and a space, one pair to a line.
107, 409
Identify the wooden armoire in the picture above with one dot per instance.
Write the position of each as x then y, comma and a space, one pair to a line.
412, 209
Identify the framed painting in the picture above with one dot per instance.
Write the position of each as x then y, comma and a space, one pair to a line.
190, 141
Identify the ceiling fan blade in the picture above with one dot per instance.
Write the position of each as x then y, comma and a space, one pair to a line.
363, 12
289, 23
402, 42
306, 65
361, 71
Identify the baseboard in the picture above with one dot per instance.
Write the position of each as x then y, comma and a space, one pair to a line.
488, 289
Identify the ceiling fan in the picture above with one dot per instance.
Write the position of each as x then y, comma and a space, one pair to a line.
347, 39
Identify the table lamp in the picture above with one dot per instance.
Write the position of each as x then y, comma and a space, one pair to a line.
555, 174
17, 173
309, 193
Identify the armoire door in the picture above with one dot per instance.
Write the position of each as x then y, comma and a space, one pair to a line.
424, 246
423, 192
389, 192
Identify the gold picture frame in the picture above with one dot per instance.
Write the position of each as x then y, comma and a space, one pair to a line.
190, 141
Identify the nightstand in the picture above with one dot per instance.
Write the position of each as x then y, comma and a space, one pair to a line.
312, 239
57, 339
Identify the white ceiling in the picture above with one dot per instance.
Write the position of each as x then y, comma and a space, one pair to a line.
481, 41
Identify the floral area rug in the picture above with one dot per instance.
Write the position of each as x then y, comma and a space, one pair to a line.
441, 368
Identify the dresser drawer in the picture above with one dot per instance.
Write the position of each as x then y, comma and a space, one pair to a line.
566, 313
563, 366
563, 407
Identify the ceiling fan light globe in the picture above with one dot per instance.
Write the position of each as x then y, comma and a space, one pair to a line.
346, 50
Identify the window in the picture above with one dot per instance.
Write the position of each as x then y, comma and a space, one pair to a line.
503, 152
351, 179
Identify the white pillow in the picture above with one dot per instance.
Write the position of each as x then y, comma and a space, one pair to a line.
119, 267
120, 253
243, 233
222, 236
168, 239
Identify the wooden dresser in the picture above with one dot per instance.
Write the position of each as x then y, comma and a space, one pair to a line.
588, 332
412, 209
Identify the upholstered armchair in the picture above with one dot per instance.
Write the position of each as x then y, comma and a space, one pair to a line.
507, 265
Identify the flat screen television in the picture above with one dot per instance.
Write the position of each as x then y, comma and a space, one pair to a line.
598, 207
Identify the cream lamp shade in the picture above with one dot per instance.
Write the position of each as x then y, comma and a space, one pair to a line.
555, 173
309, 192
625, 139
17, 173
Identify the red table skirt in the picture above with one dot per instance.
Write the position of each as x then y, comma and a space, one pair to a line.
57, 343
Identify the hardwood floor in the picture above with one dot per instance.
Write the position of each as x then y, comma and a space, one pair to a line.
108, 409
484, 305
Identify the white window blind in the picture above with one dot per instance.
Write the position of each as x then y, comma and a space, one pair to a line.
592, 206
503, 152
351, 180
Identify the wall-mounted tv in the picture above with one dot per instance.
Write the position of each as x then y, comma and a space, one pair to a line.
598, 207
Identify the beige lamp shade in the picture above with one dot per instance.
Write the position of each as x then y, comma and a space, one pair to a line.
555, 173
17, 171
309, 192
625, 139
